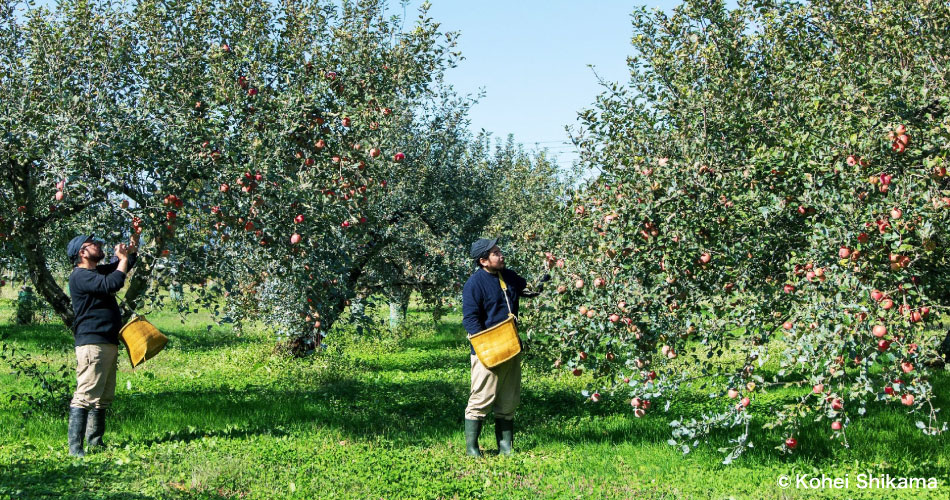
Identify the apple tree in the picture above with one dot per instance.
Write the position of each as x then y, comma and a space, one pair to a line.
768, 212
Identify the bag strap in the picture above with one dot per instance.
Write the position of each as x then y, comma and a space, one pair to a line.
504, 291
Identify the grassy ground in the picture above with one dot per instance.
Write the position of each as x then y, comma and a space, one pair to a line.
219, 415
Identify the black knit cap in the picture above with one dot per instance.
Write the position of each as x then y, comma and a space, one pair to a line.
75, 244
481, 247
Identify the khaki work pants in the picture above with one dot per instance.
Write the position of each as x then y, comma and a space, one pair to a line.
497, 389
96, 365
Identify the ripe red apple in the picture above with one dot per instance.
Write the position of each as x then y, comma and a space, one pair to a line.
745, 402
889, 390
877, 295
345, 223
883, 345
818, 388
252, 91
887, 304
398, 157
915, 317
788, 288
907, 366
863, 238
732, 393
59, 196
925, 311
595, 397
705, 258
614, 318
582, 355
561, 289
907, 399
295, 238
224, 188
791, 443
896, 213
599, 283
844, 252
374, 152
836, 425
346, 122
579, 284
852, 160
787, 325
577, 372
879, 331
837, 405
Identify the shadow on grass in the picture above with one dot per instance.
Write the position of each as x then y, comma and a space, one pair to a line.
71, 478
40, 336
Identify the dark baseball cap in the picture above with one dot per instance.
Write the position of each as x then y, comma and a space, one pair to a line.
483, 245
75, 244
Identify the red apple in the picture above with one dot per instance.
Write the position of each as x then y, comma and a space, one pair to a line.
836, 425
705, 258
374, 152
907, 399
818, 388
579, 284
837, 405
346, 122
732, 393
745, 402
59, 196
889, 390
879, 331
295, 238
907, 366
791, 443
577, 372
863, 238
844, 252
398, 157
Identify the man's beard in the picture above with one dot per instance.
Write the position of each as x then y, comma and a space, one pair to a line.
97, 258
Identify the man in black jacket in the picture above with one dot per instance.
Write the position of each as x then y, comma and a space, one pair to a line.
484, 304
92, 288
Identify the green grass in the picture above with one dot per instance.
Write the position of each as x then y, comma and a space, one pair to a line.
220, 415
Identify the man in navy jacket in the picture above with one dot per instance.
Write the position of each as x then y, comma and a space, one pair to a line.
484, 304
96, 326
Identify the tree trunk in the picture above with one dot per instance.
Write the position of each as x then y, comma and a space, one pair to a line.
398, 307
42, 278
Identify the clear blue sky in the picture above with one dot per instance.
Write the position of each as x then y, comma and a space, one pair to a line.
531, 58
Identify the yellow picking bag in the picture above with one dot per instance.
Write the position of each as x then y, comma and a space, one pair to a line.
499, 343
142, 340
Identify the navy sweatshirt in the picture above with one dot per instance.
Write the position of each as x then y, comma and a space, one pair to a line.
92, 292
483, 303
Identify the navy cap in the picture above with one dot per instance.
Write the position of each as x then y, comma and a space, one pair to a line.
75, 244
480, 247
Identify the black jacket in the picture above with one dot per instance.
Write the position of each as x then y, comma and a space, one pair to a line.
92, 292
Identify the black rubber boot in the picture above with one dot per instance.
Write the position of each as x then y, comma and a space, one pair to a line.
472, 429
96, 427
77, 427
504, 433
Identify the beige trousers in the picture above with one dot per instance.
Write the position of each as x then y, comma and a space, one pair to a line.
96, 365
497, 389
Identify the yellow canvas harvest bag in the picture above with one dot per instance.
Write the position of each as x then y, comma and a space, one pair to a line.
142, 340
499, 343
